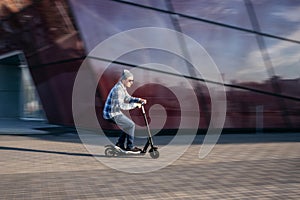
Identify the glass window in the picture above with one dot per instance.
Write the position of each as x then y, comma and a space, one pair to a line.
110, 18
231, 12
31, 105
278, 17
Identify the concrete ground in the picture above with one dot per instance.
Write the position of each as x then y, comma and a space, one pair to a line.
241, 166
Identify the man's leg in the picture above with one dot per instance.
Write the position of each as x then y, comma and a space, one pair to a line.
128, 126
121, 140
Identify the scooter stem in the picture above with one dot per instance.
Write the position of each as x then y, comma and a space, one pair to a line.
143, 109
147, 124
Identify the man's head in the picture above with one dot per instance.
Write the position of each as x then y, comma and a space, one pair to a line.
127, 78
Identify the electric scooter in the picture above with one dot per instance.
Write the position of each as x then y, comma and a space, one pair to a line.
113, 151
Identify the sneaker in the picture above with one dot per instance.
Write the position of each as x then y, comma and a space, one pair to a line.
121, 146
134, 149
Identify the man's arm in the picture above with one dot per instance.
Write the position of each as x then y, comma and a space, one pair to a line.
125, 101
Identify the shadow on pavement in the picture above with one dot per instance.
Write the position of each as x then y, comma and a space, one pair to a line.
47, 151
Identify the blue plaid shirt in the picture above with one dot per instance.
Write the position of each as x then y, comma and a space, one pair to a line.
118, 99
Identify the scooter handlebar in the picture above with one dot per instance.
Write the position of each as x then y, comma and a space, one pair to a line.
143, 109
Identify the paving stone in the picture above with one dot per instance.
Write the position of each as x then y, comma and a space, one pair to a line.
59, 167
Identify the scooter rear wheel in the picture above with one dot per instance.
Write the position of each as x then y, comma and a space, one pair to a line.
154, 154
110, 152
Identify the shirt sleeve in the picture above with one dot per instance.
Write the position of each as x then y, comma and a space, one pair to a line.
126, 102
131, 99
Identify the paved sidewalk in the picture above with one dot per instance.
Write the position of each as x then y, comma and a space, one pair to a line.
29, 127
57, 166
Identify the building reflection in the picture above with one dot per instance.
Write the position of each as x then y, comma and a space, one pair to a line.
56, 36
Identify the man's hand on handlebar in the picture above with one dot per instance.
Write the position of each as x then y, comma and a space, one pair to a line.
143, 101
140, 103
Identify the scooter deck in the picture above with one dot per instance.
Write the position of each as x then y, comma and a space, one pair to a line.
122, 151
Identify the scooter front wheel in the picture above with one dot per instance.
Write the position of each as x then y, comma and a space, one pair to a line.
154, 154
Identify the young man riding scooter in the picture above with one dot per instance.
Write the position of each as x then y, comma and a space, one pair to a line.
118, 99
